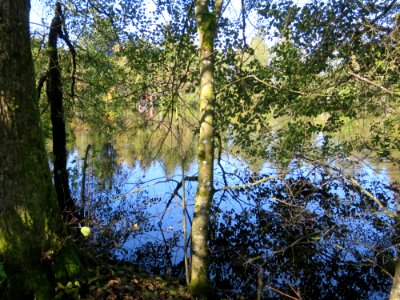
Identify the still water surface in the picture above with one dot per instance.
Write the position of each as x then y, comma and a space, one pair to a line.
301, 226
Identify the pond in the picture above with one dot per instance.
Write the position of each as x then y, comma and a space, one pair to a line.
297, 230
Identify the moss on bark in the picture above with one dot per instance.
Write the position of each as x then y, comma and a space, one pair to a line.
32, 233
200, 286
200, 289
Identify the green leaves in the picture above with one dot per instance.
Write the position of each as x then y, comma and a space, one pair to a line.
70, 290
3, 274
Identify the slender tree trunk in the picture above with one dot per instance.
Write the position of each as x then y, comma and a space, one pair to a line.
55, 97
30, 223
207, 23
395, 291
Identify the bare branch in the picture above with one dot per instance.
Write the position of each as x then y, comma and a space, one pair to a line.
374, 84
281, 293
41, 82
371, 196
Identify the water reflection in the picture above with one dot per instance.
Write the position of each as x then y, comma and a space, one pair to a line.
305, 231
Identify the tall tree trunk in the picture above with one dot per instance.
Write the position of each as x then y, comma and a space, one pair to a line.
55, 98
30, 223
207, 25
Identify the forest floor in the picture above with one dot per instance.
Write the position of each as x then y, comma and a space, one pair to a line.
118, 281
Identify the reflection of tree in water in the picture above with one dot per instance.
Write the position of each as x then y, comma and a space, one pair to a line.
104, 164
169, 143
156, 257
319, 238
166, 140
302, 238
116, 216
317, 235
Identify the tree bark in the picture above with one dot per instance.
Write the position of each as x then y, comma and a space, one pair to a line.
207, 24
30, 223
55, 98
395, 291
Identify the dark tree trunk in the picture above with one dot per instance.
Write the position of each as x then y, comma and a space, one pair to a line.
55, 97
30, 223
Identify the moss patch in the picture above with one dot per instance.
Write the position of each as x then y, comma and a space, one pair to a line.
67, 264
201, 289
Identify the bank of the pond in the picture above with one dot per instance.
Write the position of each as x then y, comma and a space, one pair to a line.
117, 280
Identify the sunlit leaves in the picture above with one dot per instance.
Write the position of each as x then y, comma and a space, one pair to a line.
330, 58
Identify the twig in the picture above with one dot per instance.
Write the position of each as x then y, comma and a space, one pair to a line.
249, 184
364, 190
175, 192
281, 293
374, 84
38, 24
369, 194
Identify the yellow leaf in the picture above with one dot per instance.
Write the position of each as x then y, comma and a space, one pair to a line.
85, 231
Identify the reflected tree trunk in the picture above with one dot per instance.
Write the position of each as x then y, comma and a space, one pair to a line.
207, 27
30, 223
85, 213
